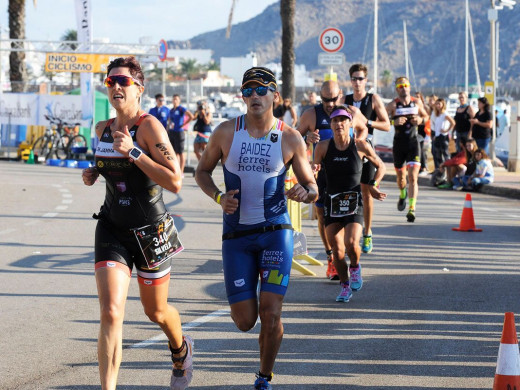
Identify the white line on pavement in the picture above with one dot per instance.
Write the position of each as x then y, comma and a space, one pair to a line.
190, 325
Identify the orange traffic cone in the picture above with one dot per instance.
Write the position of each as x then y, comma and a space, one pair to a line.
507, 375
467, 223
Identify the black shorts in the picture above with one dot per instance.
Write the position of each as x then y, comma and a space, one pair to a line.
406, 150
369, 170
177, 140
344, 221
116, 247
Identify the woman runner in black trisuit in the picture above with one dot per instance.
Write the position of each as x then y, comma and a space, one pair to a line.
136, 159
342, 156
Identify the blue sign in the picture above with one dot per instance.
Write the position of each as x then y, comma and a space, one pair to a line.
163, 50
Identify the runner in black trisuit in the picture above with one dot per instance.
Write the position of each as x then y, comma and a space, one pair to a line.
375, 117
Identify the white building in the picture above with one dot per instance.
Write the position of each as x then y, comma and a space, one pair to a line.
215, 79
235, 67
301, 76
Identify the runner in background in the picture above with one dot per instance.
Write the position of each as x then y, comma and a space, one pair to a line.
375, 117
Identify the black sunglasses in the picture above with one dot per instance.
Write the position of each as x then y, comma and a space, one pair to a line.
260, 91
353, 78
329, 100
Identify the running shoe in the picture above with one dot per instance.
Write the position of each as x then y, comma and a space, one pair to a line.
367, 244
183, 368
328, 273
401, 203
262, 383
356, 281
410, 216
445, 186
345, 293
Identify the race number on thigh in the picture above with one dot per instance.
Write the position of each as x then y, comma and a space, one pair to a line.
343, 203
159, 242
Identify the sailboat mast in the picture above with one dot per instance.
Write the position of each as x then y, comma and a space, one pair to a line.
406, 50
466, 64
375, 45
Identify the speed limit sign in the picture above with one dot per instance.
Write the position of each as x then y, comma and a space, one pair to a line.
331, 40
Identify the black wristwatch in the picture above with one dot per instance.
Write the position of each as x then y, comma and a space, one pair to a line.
373, 183
135, 153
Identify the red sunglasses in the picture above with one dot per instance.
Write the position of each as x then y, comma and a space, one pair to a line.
122, 80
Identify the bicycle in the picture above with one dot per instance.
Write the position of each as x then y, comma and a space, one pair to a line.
60, 139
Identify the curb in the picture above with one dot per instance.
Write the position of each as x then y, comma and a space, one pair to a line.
506, 192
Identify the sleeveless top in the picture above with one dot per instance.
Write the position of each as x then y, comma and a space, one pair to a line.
407, 130
342, 168
323, 123
256, 168
462, 124
365, 106
132, 199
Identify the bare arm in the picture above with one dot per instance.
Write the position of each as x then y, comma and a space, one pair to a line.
161, 165
216, 150
90, 175
358, 122
294, 148
366, 151
307, 126
383, 122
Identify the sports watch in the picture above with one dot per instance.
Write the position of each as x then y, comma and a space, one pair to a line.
135, 153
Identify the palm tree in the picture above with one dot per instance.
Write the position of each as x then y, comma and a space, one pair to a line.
189, 68
17, 68
287, 11
230, 19
386, 77
70, 35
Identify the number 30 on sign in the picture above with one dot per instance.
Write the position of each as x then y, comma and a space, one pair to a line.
331, 40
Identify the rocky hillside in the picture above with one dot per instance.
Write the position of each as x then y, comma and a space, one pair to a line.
435, 37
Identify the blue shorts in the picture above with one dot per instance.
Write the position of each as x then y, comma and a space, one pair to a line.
266, 254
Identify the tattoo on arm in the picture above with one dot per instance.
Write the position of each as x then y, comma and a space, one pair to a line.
164, 150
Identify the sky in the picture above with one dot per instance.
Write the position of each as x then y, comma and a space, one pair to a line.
125, 21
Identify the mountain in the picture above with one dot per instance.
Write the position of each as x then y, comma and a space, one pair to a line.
435, 38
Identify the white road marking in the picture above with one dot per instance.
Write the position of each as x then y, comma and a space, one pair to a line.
190, 325
49, 215
61, 208
7, 231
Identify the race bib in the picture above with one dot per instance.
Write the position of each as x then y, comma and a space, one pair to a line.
343, 204
158, 242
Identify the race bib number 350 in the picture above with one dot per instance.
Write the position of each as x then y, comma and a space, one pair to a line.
344, 203
159, 242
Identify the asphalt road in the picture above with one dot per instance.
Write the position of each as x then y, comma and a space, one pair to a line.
429, 316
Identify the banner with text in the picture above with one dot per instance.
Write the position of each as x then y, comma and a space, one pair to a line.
30, 109
84, 23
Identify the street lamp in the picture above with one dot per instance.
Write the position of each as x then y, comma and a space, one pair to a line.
493, 18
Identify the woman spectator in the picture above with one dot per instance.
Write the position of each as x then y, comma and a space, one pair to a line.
202, 126
441, 124
463, 114
482, 124
137, 160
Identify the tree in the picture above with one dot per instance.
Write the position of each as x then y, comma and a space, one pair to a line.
189, 68
287, 11
386, 77
70, 35
17, 68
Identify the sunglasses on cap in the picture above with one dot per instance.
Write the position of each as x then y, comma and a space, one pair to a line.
329, 100
402, 85
260, 91
122, 80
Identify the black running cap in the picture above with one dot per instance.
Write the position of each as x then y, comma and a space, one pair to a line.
260, 75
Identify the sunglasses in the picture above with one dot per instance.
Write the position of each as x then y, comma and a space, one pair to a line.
353, 78
329, 100
122, 80
404, 85
260, 91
